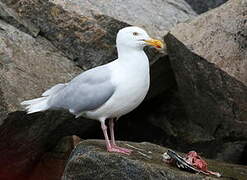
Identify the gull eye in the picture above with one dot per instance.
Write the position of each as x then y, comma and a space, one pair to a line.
135, 33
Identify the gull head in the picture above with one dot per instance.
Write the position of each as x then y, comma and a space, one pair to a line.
136, 38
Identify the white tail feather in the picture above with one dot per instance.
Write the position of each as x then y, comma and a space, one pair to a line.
32, 101
40, 104
36, 105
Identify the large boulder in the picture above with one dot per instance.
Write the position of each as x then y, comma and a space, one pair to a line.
89, 160
156, 16
51, 165
28, 66
209, 59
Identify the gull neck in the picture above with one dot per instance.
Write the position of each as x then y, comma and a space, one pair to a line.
130, 53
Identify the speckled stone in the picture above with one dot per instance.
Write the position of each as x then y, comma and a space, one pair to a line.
89, 160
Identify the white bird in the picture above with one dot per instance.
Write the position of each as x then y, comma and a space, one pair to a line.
108, 91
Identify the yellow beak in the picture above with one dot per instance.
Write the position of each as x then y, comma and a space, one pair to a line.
154, 42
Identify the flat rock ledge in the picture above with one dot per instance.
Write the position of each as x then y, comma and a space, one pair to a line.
89, 160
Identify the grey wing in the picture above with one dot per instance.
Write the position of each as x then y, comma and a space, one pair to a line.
88, 91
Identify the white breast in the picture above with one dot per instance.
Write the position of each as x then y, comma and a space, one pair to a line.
132, 83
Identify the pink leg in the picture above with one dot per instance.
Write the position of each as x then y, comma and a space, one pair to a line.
108, 144
113, 142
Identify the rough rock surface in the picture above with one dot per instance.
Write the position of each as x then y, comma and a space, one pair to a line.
201, 6
88, 41
209, 59
220, 37
28, 66
89, 160
12, 18
156, 16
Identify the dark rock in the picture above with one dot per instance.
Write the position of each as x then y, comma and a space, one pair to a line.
161, 76
201, 6
51, 165
89, 160
208, 56
26, 139
233, 152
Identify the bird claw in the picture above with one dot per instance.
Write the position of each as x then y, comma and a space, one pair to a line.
119, 150
122, 149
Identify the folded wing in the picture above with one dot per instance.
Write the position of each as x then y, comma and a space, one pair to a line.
88, 91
